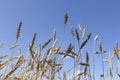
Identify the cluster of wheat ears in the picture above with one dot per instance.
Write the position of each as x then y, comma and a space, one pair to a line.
46, 65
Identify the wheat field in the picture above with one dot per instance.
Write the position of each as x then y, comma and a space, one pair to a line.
48, 65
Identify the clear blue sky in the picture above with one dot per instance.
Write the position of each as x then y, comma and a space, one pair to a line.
42, 16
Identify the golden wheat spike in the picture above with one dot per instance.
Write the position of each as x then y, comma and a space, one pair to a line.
87, 57
52, 48
96, 38
18, 30
46, 43
100, 45
65, 19
38, 51
31, 45
83, 33
69, 49
83, 44
33, 40
14, 46
109, 60
80, 27
116, 51
54, 37
72, 31
77, 35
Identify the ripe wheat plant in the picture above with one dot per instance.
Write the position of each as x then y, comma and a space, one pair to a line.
48, 65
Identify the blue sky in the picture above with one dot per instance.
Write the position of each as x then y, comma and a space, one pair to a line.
42, 16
